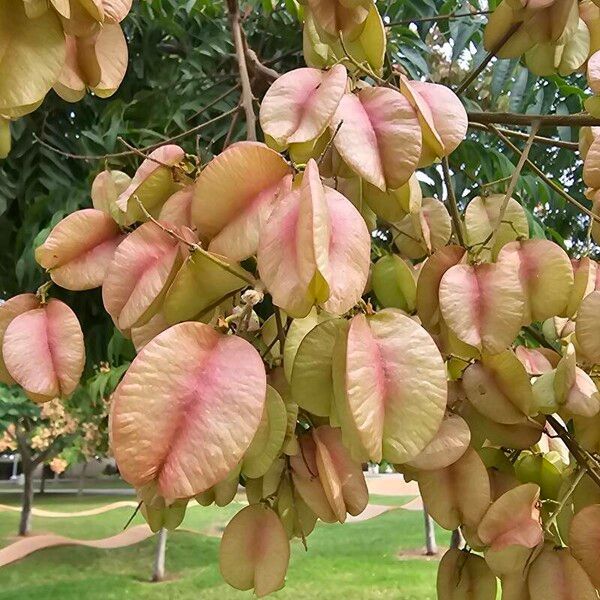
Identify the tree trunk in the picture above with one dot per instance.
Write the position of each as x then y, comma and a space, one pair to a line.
43, 480
82, 479
158, 571
431, 548
27, 466
27, 504
457, 540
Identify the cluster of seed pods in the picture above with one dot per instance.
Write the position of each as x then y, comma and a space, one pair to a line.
421, 357
554, 37
66, 45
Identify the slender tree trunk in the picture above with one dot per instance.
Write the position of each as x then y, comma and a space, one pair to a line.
158, 571
27, 504
82, 479
29, 462
43, 480
431, 548
27, 466
457, 540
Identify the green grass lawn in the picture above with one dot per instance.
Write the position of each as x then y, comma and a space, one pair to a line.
354, 561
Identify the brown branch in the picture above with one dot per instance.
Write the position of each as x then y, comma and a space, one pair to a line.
539, 338
240, 54
258, 69
365, 68
280, 330
513, 182
563, 502
453, 207
231, 130
41, 457
538, 139
545, 178
164, 228
144, 149
506, 118
579, 454
145, 156
270, 347
330, 142
484, 63
438, 18
215, 101
135, 512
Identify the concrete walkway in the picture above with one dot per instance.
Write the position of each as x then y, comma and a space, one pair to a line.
384, 485
23, 547
40, 512
391, 484
388, 484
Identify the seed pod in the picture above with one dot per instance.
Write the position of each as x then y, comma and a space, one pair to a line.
388, 371
458, 494
556, 575
195, 427
268, 439
584, 540
464, 576
79, 249
10, 309
511, 528
255, 551
43, 351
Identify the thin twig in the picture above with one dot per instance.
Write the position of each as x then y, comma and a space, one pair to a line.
240, 54
545, 178
144, 149
588, 238
135, 512
215, 101
579, 454
495, 182
144, 155
280, 330
166, 229
366, 70
400, 232
231, 130
453, 207
539, 338
484, 63
42, 291
512, 184
564, 500
438, 18
256, 67
548, 141
507, 118
330, 142
269, 347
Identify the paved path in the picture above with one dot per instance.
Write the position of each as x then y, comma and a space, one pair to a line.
134, 535
40, 512
372, 511
22, 548
85, 492
384, 485
390, 484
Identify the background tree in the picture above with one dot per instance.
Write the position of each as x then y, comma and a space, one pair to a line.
56, 432
38, 434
